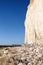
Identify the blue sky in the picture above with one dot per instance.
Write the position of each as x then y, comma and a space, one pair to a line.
12, 16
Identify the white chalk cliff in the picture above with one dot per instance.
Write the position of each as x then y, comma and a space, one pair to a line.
34, 22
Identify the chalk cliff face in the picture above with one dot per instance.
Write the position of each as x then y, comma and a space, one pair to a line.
34, 22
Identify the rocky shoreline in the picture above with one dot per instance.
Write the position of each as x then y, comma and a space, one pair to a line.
31, 54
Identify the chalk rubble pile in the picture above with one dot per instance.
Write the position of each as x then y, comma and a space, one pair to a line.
31, 54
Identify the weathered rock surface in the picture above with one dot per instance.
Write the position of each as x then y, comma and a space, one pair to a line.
34, 22
31, 54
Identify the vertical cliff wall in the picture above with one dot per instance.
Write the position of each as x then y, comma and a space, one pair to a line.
34, 22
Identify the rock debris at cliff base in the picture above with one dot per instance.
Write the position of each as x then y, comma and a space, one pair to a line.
31, 54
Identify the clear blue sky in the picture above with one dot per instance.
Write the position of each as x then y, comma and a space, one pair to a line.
12, 16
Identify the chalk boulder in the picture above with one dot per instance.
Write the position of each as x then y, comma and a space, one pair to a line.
34, 22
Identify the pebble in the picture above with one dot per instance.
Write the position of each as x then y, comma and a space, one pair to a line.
26, 55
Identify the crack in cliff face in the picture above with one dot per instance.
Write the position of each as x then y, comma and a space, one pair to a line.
34, 22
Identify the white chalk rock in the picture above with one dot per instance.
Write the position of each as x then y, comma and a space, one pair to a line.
34, 22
